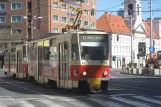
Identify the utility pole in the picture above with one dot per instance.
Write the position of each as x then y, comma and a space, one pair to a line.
131, 37
151, 31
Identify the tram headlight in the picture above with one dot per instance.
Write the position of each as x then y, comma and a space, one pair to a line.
84, 73
105, 73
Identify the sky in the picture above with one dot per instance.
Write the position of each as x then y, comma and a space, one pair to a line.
114, 5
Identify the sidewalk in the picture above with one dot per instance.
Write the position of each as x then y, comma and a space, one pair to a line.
141, 72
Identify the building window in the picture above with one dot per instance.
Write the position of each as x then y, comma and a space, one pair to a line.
2, 19
92, 24
16, 31
86, 23
2, 7
71, 20
138, 9
55, 5
117, 49
114, 49
86, 12
55, 18
86, 1
92, 12
72, 10
64, 7
123, 50
64, 20
79, 22
55, 30
16, 6
16, 19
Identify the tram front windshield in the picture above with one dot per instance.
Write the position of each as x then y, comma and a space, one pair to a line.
94, 51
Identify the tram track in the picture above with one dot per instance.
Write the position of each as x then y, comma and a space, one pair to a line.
136, 89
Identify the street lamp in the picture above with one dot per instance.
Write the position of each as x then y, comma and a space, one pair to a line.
32, 25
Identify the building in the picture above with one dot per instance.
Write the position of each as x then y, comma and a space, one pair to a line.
131, 30
121, 38
27, 17
120, 12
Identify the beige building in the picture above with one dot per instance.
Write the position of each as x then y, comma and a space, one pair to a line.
47, 16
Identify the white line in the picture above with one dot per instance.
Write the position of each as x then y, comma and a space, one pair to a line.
2, 105
24, 103
148, 99
130, 102
76, 102
60, 97
127, 87
30, 98
106, 104
23, 87
158, 96
117, 95
50, 103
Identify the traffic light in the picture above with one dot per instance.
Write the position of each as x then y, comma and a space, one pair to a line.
142, 49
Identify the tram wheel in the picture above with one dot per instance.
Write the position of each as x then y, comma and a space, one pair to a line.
104, 86
14, 76
52, 84
83, 87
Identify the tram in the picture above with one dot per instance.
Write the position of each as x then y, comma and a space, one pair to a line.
78, 60
16, 61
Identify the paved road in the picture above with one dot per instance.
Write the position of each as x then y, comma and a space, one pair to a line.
124, 91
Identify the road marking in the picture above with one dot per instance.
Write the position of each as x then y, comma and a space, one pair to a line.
106, 103
50, 103
148, 99
23, 87
158, 96
130, 102
2, 105
60, 97
134, 88
117, 95
75, 102
25, 103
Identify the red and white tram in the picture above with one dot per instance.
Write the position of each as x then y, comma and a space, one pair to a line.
16, 61
77, 60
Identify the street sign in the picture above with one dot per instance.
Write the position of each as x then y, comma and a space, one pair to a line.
152, 49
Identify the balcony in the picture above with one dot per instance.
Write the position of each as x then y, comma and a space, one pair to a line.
5, 26
3, 13
4, 0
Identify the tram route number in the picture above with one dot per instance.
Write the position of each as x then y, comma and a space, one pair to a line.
92, 37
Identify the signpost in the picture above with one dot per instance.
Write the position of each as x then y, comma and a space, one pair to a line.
152, 49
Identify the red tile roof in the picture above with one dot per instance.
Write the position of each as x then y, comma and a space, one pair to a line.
147, 26
116, 24
113, 24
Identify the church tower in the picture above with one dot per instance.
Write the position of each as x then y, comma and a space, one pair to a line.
132, 8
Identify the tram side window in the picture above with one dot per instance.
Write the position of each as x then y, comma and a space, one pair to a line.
75, 52
24, 54
13, 54
47, 53
53, 55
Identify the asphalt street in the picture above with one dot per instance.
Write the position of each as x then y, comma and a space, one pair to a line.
124, 91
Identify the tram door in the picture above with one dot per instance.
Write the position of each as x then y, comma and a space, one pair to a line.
19, 62
40, 61
63, 65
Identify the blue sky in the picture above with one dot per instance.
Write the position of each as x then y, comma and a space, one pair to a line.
114, 5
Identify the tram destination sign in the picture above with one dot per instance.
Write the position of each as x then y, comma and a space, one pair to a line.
92, 38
